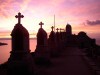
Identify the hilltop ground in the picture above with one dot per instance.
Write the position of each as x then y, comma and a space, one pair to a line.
70, 62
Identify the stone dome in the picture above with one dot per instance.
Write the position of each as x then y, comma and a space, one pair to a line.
41, 37
68, 29
82, 33
41, 33
68, 26
19, 30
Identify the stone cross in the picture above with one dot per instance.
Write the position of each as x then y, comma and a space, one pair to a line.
57, 29
19, 16
52, 28
41, 24
61, 29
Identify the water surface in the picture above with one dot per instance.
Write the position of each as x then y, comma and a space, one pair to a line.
5, 49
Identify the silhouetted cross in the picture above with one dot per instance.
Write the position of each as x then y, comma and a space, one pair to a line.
19, 16
57, 29
61, 29
41, 24
52, 28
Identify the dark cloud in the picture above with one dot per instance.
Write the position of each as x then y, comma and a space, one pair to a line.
96, 22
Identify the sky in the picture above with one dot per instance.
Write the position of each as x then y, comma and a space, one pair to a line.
82, 15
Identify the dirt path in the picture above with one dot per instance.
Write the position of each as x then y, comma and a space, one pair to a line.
70, 63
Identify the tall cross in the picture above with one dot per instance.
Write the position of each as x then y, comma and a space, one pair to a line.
19, 16
41, 24
57, 29
52, 28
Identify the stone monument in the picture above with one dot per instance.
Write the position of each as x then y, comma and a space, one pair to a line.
52, 43
42, 55
20, 60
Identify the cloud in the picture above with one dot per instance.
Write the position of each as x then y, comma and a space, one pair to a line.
8, 8
96, 22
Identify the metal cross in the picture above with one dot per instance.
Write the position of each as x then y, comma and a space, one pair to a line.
57, 29
41, 24
52, 28
19, 16
61, 29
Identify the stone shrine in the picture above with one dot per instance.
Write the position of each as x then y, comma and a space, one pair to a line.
68, 30
69, 35
42, 55
20, 60
58, 40
57, 35
52, 43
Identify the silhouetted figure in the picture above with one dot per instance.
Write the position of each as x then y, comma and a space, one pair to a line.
52, 43
20, 61
42, 55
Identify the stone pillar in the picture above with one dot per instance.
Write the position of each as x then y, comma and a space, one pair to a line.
42, 55
52, 44
20, 61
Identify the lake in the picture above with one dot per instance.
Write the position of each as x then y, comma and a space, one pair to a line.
5, 49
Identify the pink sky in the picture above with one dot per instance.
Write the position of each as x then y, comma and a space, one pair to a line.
83, 15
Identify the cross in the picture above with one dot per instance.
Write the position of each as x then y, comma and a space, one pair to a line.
61, 29
57, 29
52, 28
19, 16
41, 24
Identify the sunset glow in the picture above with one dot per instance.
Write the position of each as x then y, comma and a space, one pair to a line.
83, 15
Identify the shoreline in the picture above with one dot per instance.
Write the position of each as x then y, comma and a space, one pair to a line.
1, 44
